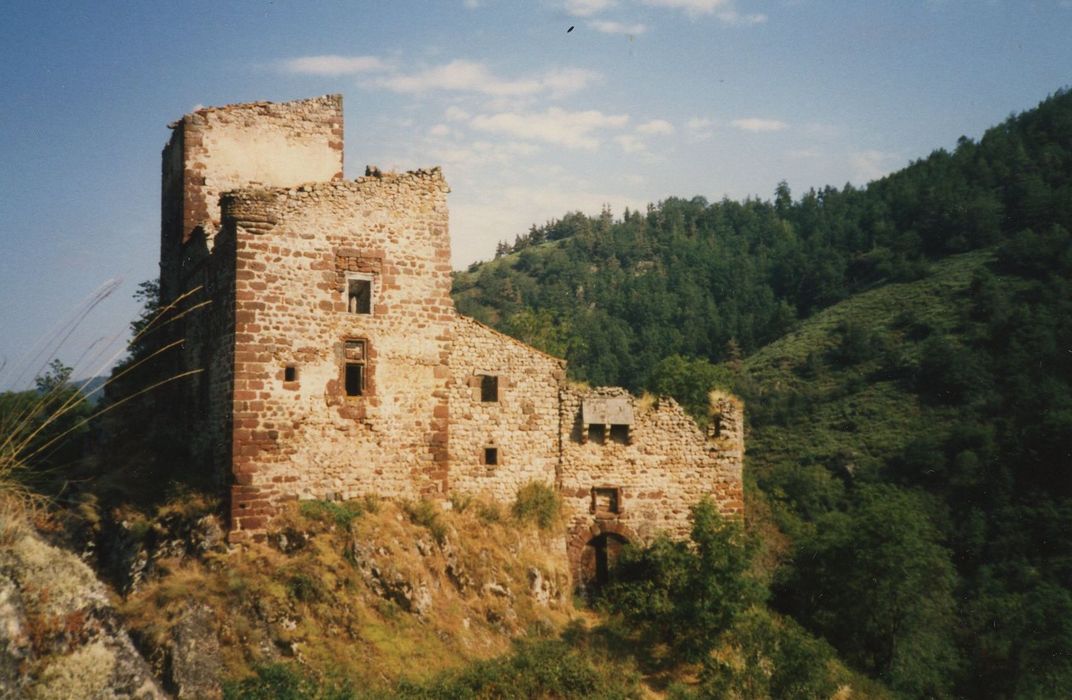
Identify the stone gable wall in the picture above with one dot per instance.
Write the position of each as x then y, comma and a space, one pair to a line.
306, 438
656, 472
522, 425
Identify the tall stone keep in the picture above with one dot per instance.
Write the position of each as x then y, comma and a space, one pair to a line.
333, 363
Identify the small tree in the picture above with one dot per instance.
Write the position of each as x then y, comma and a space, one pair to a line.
687, 595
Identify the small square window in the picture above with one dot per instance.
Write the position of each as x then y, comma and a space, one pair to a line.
489, 388
359, 296
355, 379
606, 499
491, 456
290, 373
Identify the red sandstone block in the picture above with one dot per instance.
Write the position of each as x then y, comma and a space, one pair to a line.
252, 523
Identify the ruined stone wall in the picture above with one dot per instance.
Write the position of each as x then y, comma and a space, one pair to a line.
648, 476
294, 251
520, 424
210, 151
266, 143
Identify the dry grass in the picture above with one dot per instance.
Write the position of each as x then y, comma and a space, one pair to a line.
333, 604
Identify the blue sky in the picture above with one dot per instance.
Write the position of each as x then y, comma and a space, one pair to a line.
644, 99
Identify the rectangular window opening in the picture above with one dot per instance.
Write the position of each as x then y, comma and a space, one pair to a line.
359, 296
491, 456
596, 433
489, 388
355, 379
290, 373
619, 434
605, 500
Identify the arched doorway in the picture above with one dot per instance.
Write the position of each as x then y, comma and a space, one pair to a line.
598, 559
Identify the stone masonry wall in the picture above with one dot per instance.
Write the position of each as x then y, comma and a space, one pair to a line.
210, 151
521, 425
294, 250
654, 472
271, 144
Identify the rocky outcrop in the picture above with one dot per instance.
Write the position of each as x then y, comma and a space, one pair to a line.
59, 635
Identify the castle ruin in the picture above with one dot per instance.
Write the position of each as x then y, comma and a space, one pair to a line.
335, 365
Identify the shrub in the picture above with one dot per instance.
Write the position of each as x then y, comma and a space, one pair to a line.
686, 597
305, 588
285, 682
769, 658
427, 514
540, 669
341, 513
537, 502
489, 512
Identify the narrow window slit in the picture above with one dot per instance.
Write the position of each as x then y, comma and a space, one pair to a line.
489, 388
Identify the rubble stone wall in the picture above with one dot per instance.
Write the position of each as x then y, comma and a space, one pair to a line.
521, 424
295, 249
651, 472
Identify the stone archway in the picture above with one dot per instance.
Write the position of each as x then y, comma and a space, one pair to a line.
594, 551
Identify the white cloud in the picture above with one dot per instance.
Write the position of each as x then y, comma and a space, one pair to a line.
439, 130
630, 143
587, 8
333, 65
700, 127
472, 4
566, 81
611, 27
656, 126
555, 126
870, 164
480, 153
456, 113
736, 18
470, 76
722, 9
757, 125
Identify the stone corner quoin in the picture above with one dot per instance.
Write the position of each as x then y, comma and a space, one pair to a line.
333, 363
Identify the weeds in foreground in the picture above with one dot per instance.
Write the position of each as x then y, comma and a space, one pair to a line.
340, 513
36, 425
427, 514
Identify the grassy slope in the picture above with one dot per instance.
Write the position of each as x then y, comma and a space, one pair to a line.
859, 417
323, 604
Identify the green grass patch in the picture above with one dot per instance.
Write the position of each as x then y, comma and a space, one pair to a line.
340, 513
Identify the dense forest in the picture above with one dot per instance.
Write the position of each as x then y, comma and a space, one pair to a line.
905, 354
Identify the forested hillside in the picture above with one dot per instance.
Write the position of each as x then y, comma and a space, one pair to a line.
905, 355
703, 279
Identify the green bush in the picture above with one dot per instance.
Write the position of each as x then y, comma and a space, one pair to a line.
682, 596
540, 669
284, 682
770, 659
537, 502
